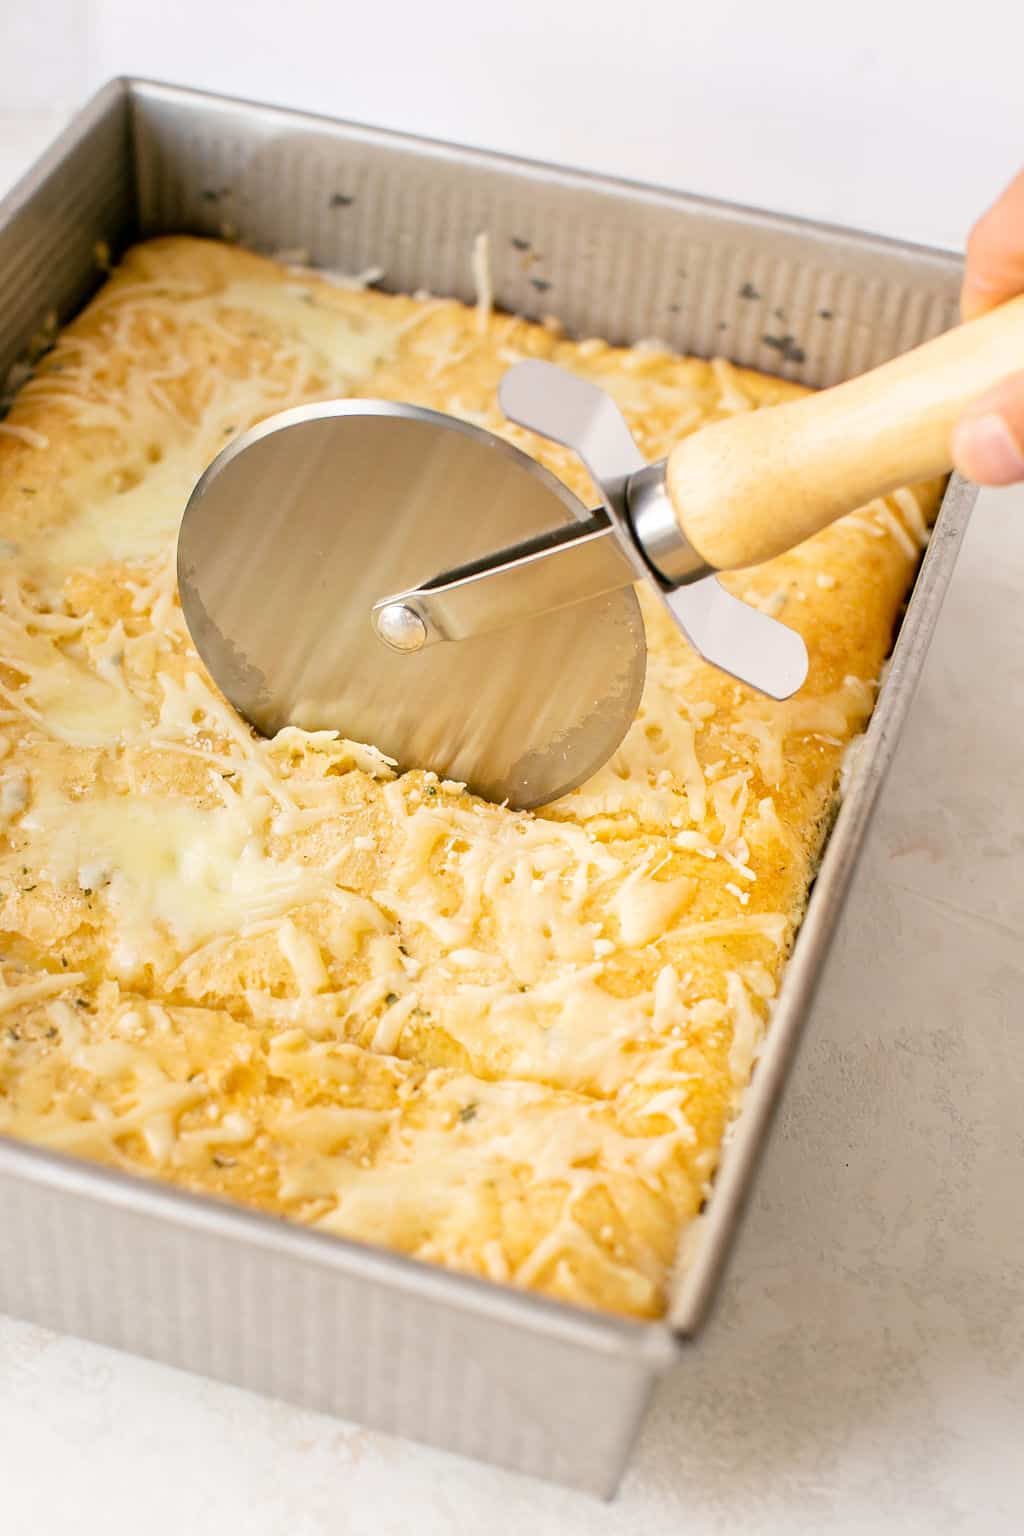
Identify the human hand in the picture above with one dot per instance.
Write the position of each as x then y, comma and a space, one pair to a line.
988, 440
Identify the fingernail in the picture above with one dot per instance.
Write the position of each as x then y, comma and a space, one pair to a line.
987, 451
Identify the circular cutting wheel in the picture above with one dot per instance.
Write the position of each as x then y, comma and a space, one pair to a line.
303, 523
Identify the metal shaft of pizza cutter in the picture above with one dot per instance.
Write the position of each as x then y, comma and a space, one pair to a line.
568, 566
635, 537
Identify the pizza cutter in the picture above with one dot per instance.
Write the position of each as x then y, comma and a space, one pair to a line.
417, 583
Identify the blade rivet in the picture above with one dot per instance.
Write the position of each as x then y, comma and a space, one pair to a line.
400, 627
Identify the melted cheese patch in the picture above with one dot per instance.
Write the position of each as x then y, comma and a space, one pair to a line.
345, 347
326, 353
130, 525
277, 971
196, 872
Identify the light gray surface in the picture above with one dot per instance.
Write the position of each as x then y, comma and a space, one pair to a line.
865, 1368
760, 104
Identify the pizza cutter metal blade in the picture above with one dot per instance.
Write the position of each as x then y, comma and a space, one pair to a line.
419, 584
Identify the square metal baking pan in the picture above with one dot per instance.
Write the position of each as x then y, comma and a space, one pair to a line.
474, 1367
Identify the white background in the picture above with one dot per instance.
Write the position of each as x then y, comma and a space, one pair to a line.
866, 1369
901, 116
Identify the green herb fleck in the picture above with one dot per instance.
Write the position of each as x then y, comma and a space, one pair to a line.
392, 997
223, 1162
467, 1113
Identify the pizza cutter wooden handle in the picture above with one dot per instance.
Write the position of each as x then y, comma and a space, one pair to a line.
752, 486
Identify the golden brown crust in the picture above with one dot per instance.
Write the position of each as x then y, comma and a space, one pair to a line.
510, 1044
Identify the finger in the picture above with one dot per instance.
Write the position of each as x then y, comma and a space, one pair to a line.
995, 254
988, 440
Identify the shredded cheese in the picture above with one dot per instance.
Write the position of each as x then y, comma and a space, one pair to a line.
280, 970
483, 280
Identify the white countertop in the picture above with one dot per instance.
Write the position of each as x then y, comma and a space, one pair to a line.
865, 1371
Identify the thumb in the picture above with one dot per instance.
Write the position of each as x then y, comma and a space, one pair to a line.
988, 440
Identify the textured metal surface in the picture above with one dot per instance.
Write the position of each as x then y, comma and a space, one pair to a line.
58, 228
474, 1367
606, 257
299, 527
332, 1325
